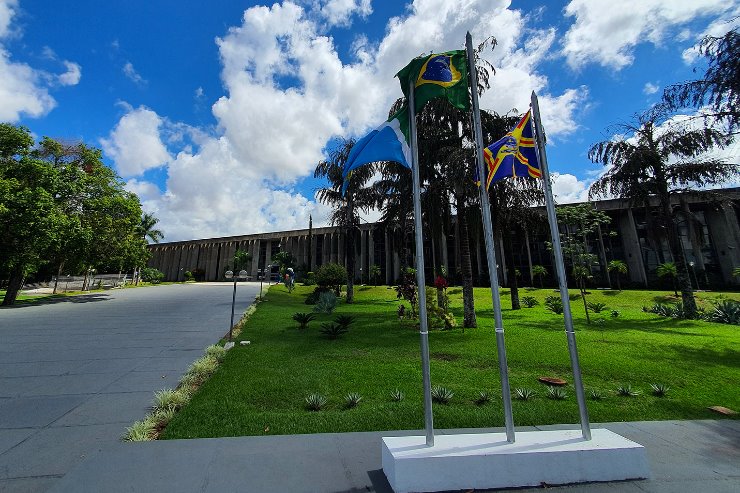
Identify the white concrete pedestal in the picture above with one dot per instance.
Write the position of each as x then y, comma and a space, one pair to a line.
487, 460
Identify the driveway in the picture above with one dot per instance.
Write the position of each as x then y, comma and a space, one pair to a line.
75, 373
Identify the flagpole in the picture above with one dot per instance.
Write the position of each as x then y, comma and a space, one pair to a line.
560, 269
420, 280
490, 249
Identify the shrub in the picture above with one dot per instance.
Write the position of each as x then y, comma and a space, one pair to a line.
326, 303
333, 330
352, 399
332, 276
314, 402
344, 320
202, 368
303, 319
523, 394
556, 393
141, 431
441, 395
615, 313
152, 275
406, 289
529, 301
397, 395
309, 279
554, 304
595, 395
189, 276
169, 399
596, 306
313, 298
725, 312
659, 389
217, 352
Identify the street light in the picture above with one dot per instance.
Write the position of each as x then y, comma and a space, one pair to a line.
360, 275
269, 274
242, 276
691, 264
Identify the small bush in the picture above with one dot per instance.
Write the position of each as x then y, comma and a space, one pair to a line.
141, 431
554, 304
332, 276
217, 352
441, 395
659, 389
483, 398
189, 276
309, 279
725, 312
313, 298
351, 400
303, 319
599, 322
169, 399
327, 302
523, 394
529, 301
397, 395
152, 275
344, 320
596, 306
556, 393
615, 313
202, 368
595, 395
333, 330
315, 402
626, 391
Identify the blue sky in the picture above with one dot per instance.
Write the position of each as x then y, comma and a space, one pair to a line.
216, 112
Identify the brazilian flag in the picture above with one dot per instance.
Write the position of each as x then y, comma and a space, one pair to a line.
439, 75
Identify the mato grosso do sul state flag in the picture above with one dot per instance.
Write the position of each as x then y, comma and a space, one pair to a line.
388, 142
439, 75
513, 155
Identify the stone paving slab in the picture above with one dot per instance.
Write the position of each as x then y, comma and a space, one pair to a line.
351, 462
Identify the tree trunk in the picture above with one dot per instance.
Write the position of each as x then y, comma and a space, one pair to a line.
582, 286
619, 285
15, 283
677, 251
59, 273
513, 281
469, 320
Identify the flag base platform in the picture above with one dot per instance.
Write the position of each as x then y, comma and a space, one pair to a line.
487, 460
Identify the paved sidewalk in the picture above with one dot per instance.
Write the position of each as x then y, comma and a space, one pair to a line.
684, 456
75, 372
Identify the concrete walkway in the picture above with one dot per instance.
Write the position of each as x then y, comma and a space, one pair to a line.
684, 456
75, 372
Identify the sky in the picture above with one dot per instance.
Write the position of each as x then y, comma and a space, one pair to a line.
216, 113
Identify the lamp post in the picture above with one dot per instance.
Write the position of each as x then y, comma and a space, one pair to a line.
691, 264
360, 276
239, 277
261, 275
269, 274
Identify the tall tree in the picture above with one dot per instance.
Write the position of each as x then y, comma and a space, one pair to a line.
656, 157
718, 92
359, 197
147, 230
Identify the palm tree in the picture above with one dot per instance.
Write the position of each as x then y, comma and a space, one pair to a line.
657, 157
619, 267
374, 273
668, 269
146, 228
359, 197
539, 271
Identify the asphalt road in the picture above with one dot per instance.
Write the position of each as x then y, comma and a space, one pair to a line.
75, 373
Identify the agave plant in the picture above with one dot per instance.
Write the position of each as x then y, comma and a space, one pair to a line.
556, 393
554, 304
529, 301
523, 394
483, 398
595, 395
627, 391
397, 395
441, 395
725, 312
352, 399
314, 402
303, 319
659, 389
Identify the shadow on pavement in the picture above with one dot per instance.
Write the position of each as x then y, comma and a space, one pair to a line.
55, 299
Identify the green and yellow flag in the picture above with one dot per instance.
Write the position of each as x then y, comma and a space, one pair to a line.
439, 75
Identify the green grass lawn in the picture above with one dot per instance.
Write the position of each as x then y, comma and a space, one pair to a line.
260, 388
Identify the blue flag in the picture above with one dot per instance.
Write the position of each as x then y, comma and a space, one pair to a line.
513, 155
388, 142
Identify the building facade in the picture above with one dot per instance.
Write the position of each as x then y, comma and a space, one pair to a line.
708, 222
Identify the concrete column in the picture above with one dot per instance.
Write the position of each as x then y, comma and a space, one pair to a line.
632, 249
370, 251
388, 258
725, 237
363, 255
396, 263
325, 240
268, 253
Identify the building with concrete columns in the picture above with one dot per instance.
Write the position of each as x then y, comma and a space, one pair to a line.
708, 221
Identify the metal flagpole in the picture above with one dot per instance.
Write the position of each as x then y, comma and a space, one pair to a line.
560, 268
490, 249
420, 281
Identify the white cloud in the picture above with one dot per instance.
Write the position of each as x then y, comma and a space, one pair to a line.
567, 188
606, 33
72, 76
135, 144
650, 88
7, 11
130, 72
199, 93
340, 12
725, 23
